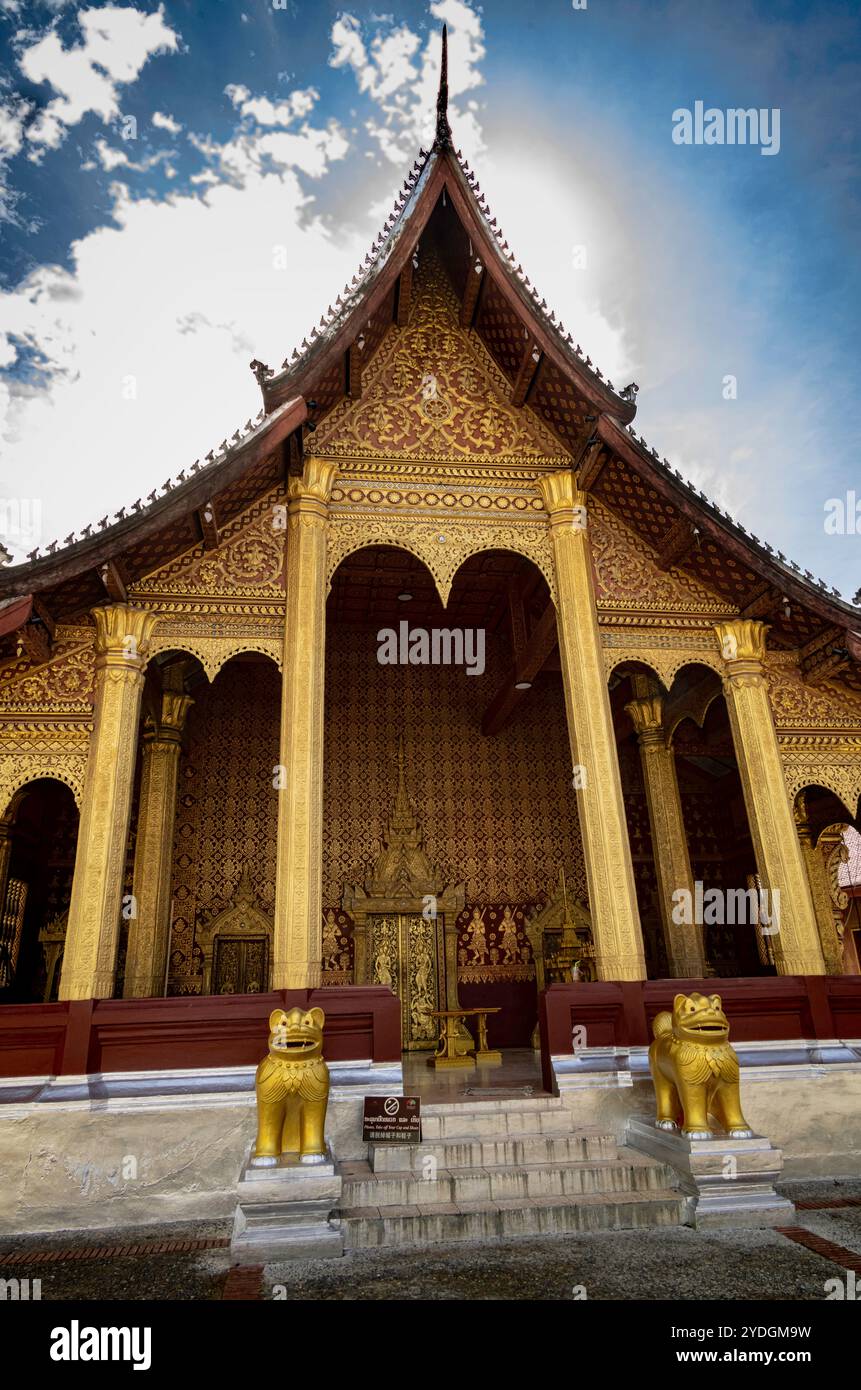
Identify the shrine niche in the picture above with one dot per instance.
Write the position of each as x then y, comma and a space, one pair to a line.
405, 925
560, 934
235, 946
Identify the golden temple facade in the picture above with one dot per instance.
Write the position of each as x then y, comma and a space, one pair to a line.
211, 783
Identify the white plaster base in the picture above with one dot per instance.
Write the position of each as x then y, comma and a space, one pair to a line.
284, 1213
805, 1095
146, 1148
727, 1182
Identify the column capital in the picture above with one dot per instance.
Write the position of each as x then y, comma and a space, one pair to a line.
174, 711
310, 494
647, 717
564, 501
123, 635
742, 645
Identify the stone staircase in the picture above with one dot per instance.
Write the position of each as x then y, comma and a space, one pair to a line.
499, 1169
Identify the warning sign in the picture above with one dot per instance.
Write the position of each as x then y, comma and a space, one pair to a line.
392, 1120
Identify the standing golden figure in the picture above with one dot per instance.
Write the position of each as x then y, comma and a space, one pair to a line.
292, 1086
695, 1069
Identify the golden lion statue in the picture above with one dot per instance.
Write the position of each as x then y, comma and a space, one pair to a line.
292, 1086
695, 1069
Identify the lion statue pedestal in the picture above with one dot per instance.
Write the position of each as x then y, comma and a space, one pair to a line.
726, 1172
289, 1187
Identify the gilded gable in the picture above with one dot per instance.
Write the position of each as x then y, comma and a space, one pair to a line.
433, 393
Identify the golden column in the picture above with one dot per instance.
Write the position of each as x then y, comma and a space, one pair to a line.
820, 890
772, 826
297, 943
666, 820
149, 926
607, 852
122, 647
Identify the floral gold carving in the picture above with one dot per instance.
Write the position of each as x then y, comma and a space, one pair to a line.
433, 392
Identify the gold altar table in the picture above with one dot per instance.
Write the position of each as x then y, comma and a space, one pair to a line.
455, 1048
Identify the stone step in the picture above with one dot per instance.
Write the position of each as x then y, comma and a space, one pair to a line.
364, 1188
441, 1223
544, 1115
505, 1150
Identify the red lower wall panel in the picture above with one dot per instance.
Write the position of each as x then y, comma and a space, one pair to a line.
116, 1035
759, 1009
110, 1035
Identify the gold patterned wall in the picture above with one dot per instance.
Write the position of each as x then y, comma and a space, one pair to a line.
227, 807
498, 813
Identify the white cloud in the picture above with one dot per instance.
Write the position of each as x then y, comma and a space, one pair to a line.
109, 157
266, 112
402, 78
169, 303
117, 41
161, 121
11, 128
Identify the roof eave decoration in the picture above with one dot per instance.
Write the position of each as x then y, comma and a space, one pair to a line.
179, 497
443, 129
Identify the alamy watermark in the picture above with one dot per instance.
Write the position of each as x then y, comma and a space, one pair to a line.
843, 515
21, 520
734, 906
437, 646
735, 126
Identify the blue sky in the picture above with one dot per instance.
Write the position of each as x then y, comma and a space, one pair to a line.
189, 185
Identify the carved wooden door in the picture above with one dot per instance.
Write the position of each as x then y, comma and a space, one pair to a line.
406, 954
241, 965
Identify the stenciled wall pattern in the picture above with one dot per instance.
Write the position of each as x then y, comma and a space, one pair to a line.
227, 807
498, 813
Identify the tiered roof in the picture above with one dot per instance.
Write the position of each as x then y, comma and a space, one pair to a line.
548, 373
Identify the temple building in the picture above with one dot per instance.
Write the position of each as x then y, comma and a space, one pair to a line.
434, 678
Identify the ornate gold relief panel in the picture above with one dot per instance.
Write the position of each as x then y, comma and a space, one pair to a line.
244, 570
62, 686
493, 945
665, 650
30, 752
406, 952
827, 707
441, 544
819, 731
627, 577
433, 392
215, 641
46, 715
817, 760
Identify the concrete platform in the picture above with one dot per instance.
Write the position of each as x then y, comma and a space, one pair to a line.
726, 1182
285, 1213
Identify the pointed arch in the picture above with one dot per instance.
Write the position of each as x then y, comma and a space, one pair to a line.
17, 771
442, 545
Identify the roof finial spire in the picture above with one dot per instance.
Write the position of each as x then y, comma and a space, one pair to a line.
443, 129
